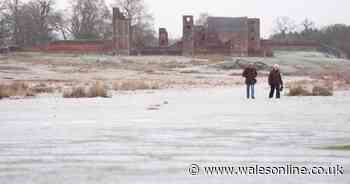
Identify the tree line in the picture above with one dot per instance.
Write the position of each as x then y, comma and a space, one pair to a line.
36, 22
334, 36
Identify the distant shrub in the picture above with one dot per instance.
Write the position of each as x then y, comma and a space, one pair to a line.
316, 91
43, 88
339, 147
3, 92
189, 72
76, 92
298, 91
133, 85
98, 89
19, 89
322, 91
149, 71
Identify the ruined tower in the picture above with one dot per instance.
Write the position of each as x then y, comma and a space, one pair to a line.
188, 35
121, 33
254, 36
163, 38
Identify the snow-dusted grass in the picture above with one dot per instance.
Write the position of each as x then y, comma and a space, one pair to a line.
304, 62
316, 91
133, 85
98, 89
16, 89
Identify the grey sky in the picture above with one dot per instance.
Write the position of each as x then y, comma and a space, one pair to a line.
168, 13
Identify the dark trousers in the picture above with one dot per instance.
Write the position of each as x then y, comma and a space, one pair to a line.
273, 89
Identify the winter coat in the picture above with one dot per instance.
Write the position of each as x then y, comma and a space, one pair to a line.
275, 78
250, 74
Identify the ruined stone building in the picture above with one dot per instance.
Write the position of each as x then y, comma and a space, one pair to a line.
163, 38
188, 33
233, 36
222, 35
121, 33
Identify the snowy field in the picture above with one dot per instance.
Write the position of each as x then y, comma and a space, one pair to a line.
153, 137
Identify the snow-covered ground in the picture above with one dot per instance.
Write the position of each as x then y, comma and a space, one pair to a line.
125, 139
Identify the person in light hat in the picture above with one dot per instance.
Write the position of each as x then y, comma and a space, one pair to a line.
275, 81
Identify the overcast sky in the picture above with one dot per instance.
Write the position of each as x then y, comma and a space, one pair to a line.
168, 13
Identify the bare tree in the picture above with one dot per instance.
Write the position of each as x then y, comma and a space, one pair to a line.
60, 24
37, 22
88, 18
34, 21
134, 9
337, 35
144, 35
3, 27
11, 16
307, 25
27, 23
284, 25
308, 28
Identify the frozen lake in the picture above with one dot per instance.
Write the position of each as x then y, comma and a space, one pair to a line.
54, 140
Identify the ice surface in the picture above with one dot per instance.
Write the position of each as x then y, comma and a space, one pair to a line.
117, 140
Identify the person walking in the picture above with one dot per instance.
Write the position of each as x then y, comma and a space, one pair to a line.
275, 82
250, 75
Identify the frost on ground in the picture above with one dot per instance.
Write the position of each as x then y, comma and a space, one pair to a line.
199, 117
155, 137
59, 73
168, 71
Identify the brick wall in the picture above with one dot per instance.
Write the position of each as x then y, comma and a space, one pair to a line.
290, 45
76, 47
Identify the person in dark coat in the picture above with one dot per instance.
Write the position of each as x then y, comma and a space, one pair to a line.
275, 82
250, 75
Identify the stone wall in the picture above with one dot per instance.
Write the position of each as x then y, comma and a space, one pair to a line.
188, 35
254, 35
121, 33
163, 37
